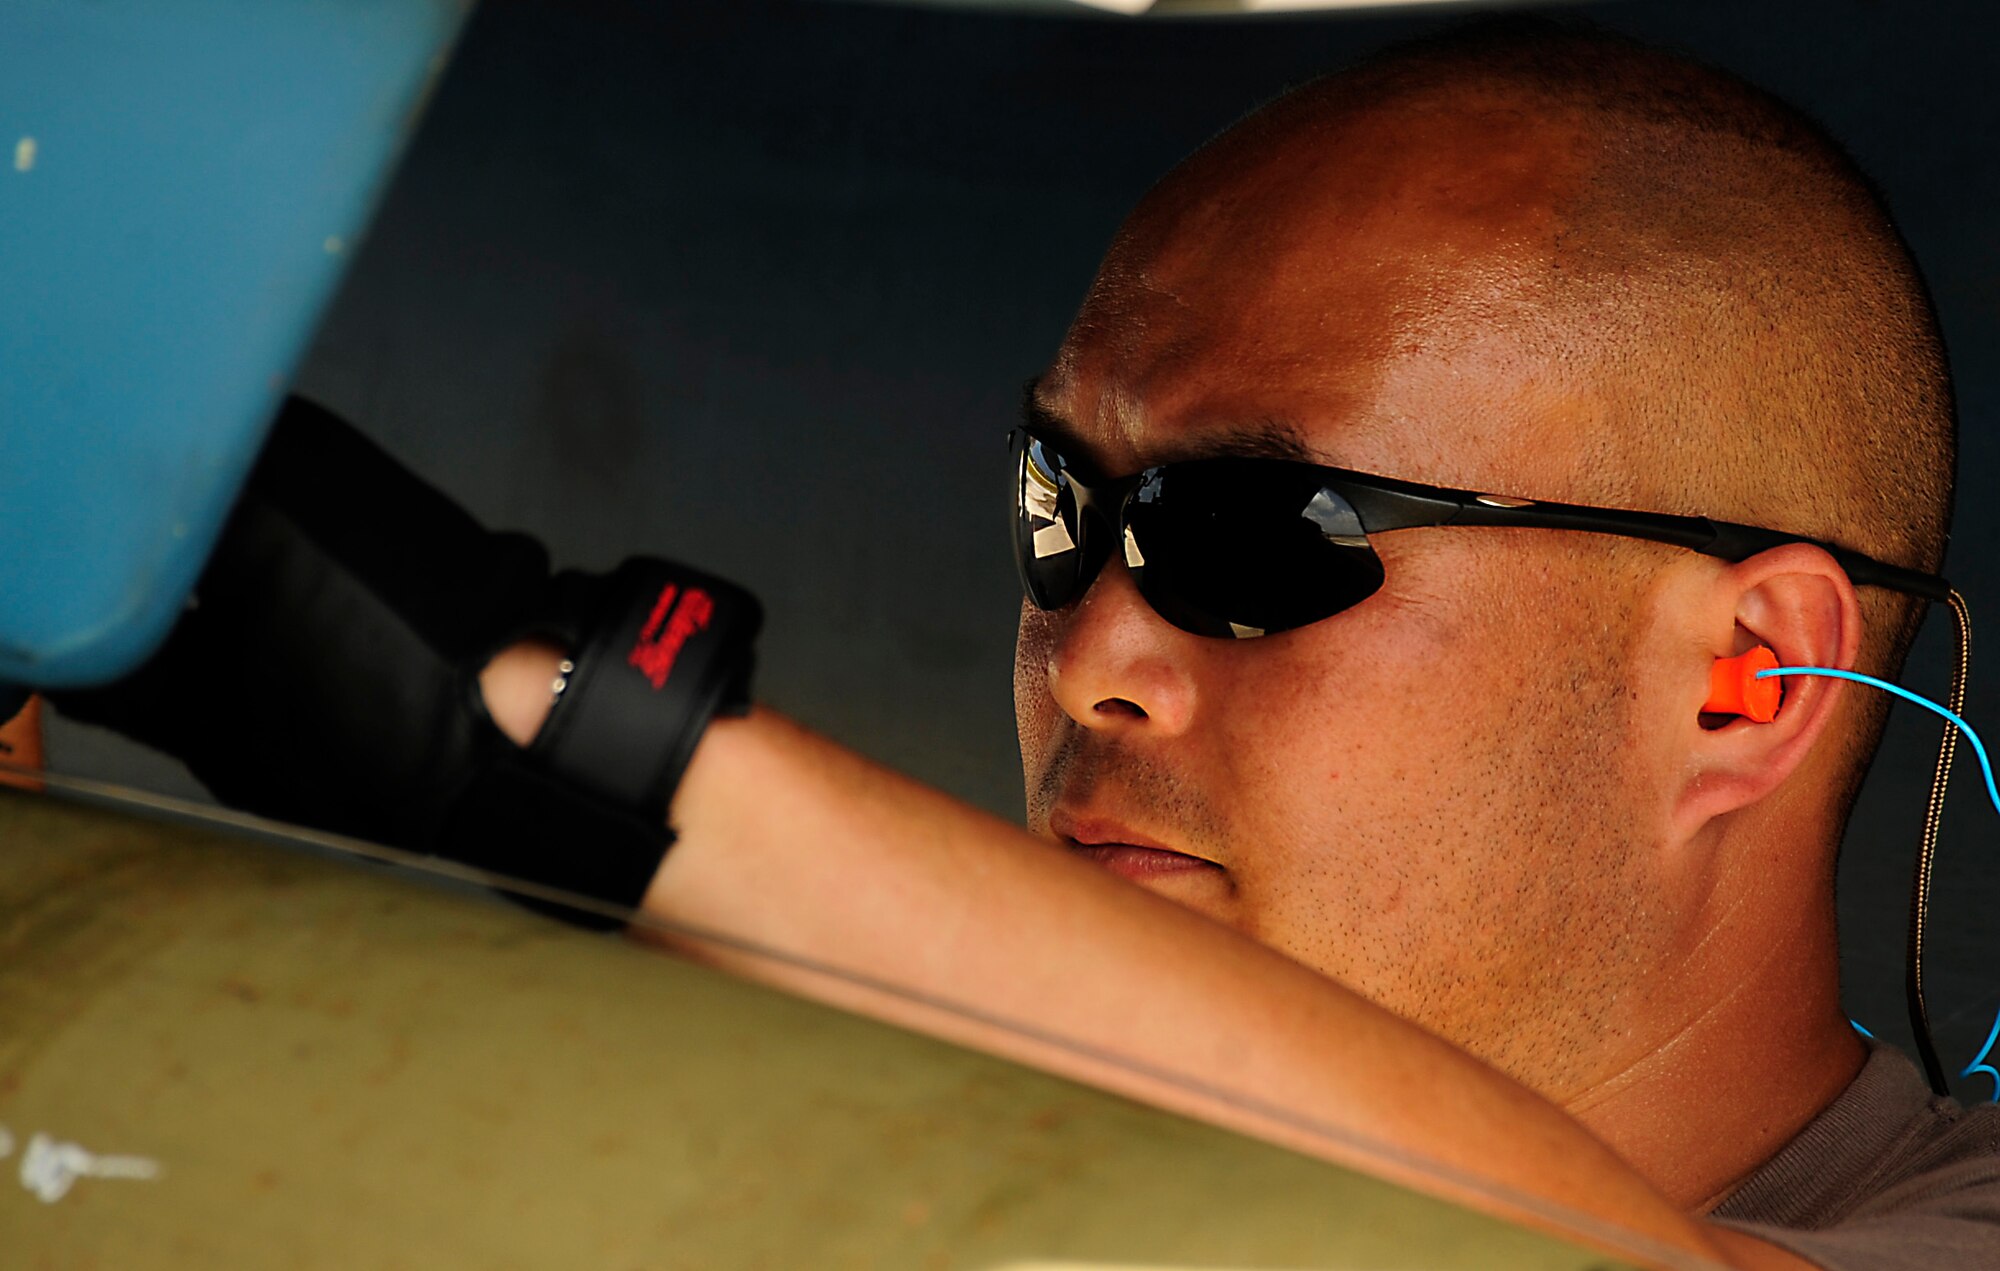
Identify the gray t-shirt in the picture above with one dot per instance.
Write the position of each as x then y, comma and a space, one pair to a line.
1888, 1177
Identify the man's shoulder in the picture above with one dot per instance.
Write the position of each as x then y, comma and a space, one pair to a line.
1888, 1175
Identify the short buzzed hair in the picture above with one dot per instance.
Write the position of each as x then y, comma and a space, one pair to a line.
1727, 265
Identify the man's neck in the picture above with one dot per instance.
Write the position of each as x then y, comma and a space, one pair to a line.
1732, 1071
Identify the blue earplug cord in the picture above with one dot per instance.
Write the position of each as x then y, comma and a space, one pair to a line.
1978, 1063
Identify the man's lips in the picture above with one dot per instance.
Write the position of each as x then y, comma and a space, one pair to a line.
1132, 862
1123, 851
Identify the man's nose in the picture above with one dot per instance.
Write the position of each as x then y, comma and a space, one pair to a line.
1116, 666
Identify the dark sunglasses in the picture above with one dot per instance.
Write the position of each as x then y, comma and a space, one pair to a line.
1239, 547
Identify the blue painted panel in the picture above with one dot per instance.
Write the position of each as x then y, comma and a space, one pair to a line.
180, 184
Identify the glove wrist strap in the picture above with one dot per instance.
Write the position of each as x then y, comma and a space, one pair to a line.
658, 649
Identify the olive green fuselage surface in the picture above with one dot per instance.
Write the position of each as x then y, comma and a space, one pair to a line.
220, 1053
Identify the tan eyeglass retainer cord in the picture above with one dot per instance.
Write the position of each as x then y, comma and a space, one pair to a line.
1920, 885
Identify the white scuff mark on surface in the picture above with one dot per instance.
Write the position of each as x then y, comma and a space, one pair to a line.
334, 244
50, 1168
24, 154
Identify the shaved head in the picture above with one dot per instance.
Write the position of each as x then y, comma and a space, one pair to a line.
1701, 254
1541, 262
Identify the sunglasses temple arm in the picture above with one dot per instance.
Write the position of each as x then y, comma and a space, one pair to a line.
1400, 507
1409, 508
1740, 542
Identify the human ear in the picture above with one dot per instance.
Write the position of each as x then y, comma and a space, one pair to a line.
1799, 603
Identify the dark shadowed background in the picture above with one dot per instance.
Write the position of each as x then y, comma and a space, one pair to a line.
757, 283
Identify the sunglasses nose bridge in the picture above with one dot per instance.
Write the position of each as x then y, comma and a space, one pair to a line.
1100, 523
1107, 505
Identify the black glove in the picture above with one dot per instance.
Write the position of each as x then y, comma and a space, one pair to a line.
326, 673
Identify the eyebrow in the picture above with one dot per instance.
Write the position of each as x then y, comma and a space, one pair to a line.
1261, 439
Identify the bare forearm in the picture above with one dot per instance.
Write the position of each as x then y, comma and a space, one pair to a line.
790, 842
938, 917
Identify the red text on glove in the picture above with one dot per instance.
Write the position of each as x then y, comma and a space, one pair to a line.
669, 627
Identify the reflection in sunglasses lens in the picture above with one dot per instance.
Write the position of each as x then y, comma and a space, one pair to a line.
1045, 528
1221, 547
1242, 548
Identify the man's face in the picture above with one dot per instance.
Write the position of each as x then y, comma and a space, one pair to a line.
1431, 796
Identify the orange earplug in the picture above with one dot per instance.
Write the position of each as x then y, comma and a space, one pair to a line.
1734, 689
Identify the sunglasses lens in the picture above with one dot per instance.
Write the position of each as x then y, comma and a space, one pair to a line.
1047, 537
1246, 547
